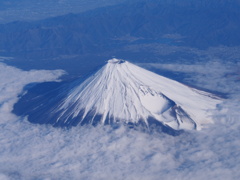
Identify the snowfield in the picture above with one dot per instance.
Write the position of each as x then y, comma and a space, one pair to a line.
123, 92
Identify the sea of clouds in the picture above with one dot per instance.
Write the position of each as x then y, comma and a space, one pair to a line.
29, 151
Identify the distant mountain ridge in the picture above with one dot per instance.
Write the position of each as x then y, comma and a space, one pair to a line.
201, 24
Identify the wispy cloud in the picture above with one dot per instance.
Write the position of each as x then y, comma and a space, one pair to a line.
30, 151
2, 58
214, 75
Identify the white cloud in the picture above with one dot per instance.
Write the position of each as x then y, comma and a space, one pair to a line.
3, 177
30, 151
2, 58
12, 81
214, 75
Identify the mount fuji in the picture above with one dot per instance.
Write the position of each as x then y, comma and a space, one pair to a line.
121, 92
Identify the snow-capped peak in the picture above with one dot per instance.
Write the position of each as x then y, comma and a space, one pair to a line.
123, 92
116, 61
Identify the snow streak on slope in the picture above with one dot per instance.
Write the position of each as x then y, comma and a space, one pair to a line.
123, 92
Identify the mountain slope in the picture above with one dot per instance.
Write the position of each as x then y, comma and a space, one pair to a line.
121, 92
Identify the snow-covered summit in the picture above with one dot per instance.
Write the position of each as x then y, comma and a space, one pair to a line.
123, 92
116, 61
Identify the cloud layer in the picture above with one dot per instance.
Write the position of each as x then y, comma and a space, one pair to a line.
30, 151
215, 75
